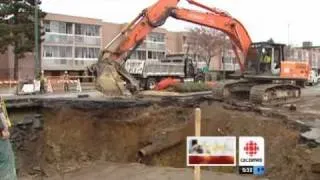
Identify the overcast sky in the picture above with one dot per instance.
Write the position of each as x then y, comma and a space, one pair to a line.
263, 19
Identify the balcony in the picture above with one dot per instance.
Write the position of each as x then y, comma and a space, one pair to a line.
142, 46
156, 46
66, 63
70, 39
55, 38
87, 40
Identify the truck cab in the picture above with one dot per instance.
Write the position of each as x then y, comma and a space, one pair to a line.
313, 77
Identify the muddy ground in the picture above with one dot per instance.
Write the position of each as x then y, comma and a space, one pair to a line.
76, 138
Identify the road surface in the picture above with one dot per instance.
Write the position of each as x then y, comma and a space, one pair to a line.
115, 171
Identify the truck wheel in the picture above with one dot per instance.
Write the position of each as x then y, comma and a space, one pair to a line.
151, 83
300, 84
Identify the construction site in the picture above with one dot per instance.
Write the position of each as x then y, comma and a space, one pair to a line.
128, 115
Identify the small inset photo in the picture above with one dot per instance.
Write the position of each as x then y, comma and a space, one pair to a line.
211, 151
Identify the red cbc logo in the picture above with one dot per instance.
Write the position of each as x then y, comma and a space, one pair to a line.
251, 148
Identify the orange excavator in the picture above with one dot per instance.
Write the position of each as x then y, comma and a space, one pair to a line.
261, 82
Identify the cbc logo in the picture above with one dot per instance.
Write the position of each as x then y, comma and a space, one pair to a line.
251, 148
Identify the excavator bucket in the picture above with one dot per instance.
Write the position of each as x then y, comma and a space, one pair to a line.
109, 80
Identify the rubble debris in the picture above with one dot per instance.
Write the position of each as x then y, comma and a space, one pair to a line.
27, 120
313, 134
37, 124
26, 130
83, 96
291, 107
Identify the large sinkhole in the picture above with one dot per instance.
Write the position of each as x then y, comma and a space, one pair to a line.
60, 140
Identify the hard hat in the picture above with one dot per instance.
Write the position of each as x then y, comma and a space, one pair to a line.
65, 72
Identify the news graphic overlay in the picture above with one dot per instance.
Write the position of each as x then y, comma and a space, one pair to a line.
251, 155
211, 151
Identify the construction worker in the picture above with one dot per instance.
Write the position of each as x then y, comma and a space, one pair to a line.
266, 62
7, 160
66, 81
42, 83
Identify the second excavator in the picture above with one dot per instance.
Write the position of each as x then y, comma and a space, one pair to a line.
264, 69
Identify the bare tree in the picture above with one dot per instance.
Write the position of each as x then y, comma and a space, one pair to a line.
206, 42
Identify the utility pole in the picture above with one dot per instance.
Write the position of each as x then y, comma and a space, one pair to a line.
288, 34
36, 39
224, 56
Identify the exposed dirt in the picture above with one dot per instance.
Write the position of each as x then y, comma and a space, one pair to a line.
75, 138
285, 158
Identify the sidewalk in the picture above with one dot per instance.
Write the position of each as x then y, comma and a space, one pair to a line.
93, 94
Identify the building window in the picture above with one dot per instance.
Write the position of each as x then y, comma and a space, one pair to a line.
156, 37
141, 55
83, 52
57, 51
46, 25
69, 28
88, 30
155, 55
58, 27
48, 53
299, 55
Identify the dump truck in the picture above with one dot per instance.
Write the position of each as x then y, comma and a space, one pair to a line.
178, 66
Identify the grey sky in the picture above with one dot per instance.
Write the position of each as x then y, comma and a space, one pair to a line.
262, 18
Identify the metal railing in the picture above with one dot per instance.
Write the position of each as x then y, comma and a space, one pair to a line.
87, 40
67, 63
58, 38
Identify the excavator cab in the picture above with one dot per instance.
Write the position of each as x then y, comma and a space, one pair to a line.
264, 59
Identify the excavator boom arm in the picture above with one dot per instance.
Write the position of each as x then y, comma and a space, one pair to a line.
119, 49
232, 27
157, 14
136, 31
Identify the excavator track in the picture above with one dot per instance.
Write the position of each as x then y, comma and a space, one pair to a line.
223, 90
220, 91
261, 94
274, 94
